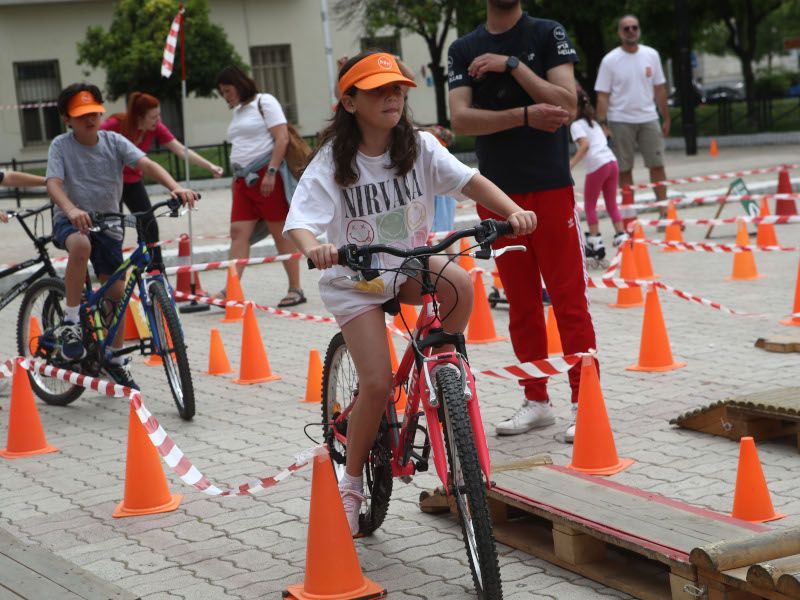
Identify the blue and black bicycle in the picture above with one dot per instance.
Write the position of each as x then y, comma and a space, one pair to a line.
101, 317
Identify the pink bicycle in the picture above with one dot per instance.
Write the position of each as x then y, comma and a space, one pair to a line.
448, 399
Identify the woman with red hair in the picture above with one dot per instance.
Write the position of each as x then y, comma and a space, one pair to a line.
141, 124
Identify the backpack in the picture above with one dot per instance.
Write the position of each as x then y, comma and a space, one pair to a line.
297, 152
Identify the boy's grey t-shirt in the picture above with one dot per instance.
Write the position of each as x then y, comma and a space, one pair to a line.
92, 175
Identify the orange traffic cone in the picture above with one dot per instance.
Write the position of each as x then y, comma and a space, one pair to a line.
673, 232
155, 360
25, 432
751, 500
253, 365
553, 337
183, 282
496, 281
218, 363
713, 150
744, 263
632, 296
795, 320
233, 291
594, 450
314, 378
146, 490
654, 350
332, 569
481, 326
34, 333
408, 314
464, 261
765, 235
131, 332
786, 207
641, 255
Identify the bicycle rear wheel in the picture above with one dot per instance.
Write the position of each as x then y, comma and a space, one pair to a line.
468, 487
339, 390
44, 301
172, 349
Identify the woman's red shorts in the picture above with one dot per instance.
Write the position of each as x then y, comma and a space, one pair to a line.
250, 205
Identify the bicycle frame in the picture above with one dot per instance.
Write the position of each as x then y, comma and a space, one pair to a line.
415, 367
134, 263
44, 259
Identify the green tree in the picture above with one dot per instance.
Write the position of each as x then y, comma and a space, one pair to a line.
132, 49
431, 19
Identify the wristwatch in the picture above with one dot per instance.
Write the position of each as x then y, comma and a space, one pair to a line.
272, 170
512, 62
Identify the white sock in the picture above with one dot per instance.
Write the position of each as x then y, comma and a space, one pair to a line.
71, 313
352, 483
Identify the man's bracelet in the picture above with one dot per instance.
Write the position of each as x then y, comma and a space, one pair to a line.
525, 115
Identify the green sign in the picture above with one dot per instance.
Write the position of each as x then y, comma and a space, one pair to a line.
738, 188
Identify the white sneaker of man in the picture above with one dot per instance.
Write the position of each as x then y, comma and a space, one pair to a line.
531, 415
569, 436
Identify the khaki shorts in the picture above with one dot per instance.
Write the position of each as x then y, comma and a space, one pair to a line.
647, 136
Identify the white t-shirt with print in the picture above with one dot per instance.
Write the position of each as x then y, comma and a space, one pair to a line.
628, 79
599, 153
248, 131
380, 208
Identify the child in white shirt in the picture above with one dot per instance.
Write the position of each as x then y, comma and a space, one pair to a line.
373, 180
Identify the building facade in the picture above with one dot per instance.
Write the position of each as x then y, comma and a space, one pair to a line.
282, 41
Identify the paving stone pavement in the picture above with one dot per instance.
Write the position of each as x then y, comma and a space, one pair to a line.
253, 547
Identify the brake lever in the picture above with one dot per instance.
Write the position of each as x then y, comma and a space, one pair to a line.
504, 249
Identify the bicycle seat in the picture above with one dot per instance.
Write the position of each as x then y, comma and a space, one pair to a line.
391, 307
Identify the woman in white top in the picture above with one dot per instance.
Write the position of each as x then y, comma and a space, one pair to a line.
259, 137
601, 174
373, 179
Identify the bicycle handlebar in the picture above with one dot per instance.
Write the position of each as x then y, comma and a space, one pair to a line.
27, 212
359, 257
130, 220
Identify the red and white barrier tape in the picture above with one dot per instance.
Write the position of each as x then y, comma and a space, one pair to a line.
721, 199
768, 220
708, 247
173, 456
716, 177
629, 283
612, 267
224, 264
538, 368
268, 309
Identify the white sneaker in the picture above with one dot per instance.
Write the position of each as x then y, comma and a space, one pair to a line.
569, 436
351, 500
532, 415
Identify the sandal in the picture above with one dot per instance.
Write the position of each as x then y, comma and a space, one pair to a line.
293, 297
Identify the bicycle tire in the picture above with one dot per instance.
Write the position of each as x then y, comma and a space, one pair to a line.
339, 384
468, 487
176, 362
50, 292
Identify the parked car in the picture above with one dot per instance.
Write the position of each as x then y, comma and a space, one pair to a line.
794, 91
724, 93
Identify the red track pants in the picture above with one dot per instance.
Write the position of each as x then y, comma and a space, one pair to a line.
555, 254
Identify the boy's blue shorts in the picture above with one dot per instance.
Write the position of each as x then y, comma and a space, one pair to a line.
106, 253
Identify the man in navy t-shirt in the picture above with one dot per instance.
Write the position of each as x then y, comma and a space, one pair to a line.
512, 85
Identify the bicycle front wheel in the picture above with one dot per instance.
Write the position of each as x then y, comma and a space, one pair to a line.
339, 390
43, 306
172, 349
468, 487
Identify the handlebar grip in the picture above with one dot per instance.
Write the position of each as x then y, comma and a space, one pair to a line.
311, 264
504, 228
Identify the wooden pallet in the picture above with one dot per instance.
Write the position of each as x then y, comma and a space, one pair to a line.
627, 539
763, 416
779, 343
31, 572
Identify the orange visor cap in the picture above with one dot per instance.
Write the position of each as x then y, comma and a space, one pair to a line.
372, 72
83, 103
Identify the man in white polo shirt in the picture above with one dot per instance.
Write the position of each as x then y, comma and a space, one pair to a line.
630, 84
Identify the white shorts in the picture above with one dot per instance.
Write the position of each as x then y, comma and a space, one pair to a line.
346, 299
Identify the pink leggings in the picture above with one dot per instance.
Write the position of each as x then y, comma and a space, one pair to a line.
604, 178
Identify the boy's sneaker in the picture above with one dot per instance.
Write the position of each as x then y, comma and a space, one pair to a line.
532, 415
69, 336
351, 500
121, 374
569, 436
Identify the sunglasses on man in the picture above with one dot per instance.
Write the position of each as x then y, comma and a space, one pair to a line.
630, 28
